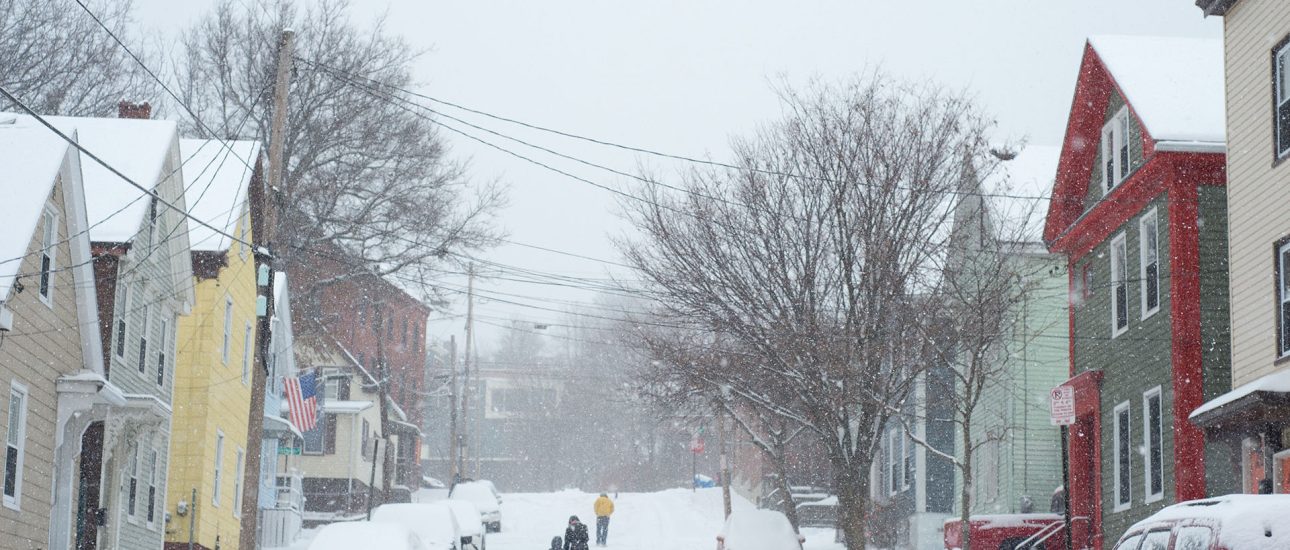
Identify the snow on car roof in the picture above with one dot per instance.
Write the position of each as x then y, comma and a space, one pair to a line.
363, 535
469, 520
758, 530
1245, 521
30, 158
217, 176
1175, 85
434, 525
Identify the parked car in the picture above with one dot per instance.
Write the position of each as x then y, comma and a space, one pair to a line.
473, 532
485, 498
365, 535
758, 530
434, 525
1232, 522
820, 513
1009, 532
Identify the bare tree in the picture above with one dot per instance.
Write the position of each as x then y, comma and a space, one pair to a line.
61, 62
817, 256
368, 182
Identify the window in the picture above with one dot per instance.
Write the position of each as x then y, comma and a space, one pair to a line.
367, 428
1149, 261
163, 347
122, 315
1283, 296
132, 482
228, 326
247, 346
143, 340
1123, 457
894, 462
155, 461
1153, 443
152, 222
329, 434
1281, 472
219, 466
1115, 150
15, 445
909, 461
314, 438
1253, 472
1119, 286
1130, 543
989, 464
237, 484
1281, 77
1155, 540
1193, 538
48, 250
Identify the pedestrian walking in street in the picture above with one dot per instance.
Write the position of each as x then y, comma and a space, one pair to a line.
575, 536
604, 508
557, 543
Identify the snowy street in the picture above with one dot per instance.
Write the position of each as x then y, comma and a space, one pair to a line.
675, 519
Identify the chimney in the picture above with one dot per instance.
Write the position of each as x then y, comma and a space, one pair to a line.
126, 109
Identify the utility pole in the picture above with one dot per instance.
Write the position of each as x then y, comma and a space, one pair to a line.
264, 199
466, 383
383, 390
454, 445
725, 462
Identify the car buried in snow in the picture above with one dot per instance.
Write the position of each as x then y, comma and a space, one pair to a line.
758, 530
485, 498
469, 521
365, 535
434, 525
1231, 522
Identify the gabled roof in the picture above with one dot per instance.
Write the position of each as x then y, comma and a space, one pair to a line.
137, 148
1174, 90
217, 177
1174, 85
30, 159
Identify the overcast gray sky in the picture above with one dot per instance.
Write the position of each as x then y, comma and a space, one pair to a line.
684, 76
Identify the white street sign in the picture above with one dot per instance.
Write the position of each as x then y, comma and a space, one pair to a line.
1062, 404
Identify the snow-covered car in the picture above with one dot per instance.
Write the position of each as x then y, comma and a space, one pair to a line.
469, 522
1232, 522
434, 525
485, 498
758, 530
365, 535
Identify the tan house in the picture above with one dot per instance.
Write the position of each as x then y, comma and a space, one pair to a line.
51, 368
1256, 413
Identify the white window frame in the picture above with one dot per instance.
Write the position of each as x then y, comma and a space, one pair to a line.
1148, 220
1280, 64
893, 486
122, 329
131, 480
239, 470
151, 507
219, 466
1148, 463
1119, 272
163, 350
248, 345
1115, 139
1122, 502
143, 339
908, 462
16, 440
228, 327
48, 256
1283, 300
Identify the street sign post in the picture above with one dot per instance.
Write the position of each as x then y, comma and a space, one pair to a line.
1062, 413
1062, 406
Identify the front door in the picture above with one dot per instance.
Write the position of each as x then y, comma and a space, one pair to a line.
90, 480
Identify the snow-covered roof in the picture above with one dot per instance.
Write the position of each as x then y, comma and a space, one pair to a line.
217, 175
1277, 382
30, 158
1175, 85
138, 149
1019, 191
349, 406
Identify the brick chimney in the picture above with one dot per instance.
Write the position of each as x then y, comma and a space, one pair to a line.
126, 109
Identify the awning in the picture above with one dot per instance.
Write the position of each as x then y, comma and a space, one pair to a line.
1264, 400
279, 425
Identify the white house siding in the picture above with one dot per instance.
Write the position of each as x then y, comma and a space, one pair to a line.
1257, 190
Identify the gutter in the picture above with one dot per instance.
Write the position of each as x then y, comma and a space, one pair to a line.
1191, 146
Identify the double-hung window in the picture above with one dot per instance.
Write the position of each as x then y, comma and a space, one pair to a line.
1153, 443
132, 482
1281, 96
163, 347
1283, 297
237, 483
1119, 286
248, 345
894, 462
48, 248
219, 466
1115, 150
1123, 457
122, 320
143, 339
228, 327
153, 464
1149, 260
15, 444
908, 466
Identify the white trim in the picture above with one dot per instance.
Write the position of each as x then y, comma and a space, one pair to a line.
1115, 138
1282, 299
248, 344
121, 331
152, 498
239, 470
49, 242
143, 339
1148, 463
1122, 502
1119, 276
1148, 219
131, 475
219, 467
14, 502
1191, 147
892, 488
228, 327
1279, 98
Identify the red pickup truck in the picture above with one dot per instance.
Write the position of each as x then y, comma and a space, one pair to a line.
1009, 532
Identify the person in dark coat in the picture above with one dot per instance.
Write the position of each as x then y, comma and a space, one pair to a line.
575, 536
557, 543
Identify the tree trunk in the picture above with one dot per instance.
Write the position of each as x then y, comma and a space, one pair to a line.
781, 474
965, 493
853, 505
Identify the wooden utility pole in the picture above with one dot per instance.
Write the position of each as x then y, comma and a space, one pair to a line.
454, 445
383, 391
465, 385
264, 199
725, 462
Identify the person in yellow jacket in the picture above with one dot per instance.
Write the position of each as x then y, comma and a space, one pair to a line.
604, 508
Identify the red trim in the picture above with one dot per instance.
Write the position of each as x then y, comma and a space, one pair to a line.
1086, 459
1188, 371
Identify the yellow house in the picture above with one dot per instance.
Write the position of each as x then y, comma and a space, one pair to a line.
215, 351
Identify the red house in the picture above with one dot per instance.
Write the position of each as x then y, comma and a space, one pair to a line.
1139, 210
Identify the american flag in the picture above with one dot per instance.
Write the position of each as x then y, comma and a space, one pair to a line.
302, 398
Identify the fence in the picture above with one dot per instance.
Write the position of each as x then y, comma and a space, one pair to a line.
280, 525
